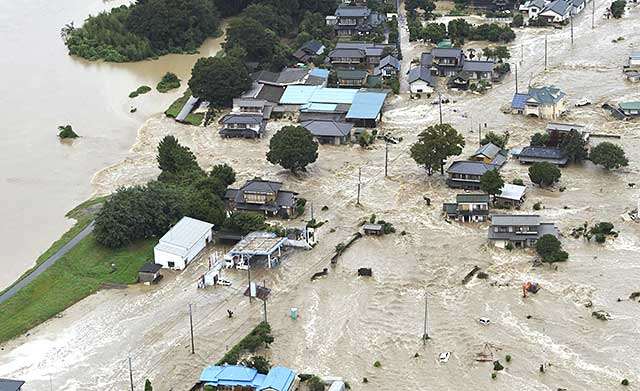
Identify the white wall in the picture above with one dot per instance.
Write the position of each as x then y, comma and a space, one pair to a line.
163, 258
421, 87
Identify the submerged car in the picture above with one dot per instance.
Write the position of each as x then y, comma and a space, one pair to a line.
444, 356
484, 321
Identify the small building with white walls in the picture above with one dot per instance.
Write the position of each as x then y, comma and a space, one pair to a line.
182, 243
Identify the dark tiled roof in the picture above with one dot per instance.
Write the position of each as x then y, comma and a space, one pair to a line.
489, 150
328, 128
150, 268
447, 52
507, 220
271, 93
352, 11
546, 94
469, 167
390, 60
541, 153
472, 198
251, 119
313, 46
348, 53
351, 74
478, 66
426, 59
420, 73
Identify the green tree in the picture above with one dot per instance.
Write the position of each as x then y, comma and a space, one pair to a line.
539, 139
314, 24
574, 146
435, 144
174, 158
147, 385
293, 148
219, 79
502, 53
269, 18
617, 8
66, 131
248, 33
550, 249
458, 30
260, 363
488, 53
204, 203
518, 20
434, 32
224, 173
491, 182
245, 222
496, 139
608, 155
169, 82
544, 174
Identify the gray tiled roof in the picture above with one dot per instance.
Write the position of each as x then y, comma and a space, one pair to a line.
352, 11
507, 220
542, 153
370, 49
469, 167
328, 128
313, 46
446, 52
348, 53
478, 66
242, 119
426, 59
559, 127
489, 150
560, 7
390, 60
472, 197
351, 74
420, 73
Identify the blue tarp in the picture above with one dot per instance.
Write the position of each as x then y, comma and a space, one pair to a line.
519, 101
366, 105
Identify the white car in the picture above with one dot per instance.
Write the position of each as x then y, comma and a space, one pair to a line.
583, 102
484, 321
444, 356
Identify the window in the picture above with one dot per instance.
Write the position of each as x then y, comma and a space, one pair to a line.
171, 264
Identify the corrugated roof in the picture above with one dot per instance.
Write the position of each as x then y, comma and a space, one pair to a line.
515, 220
278, 379
333, 95
519, 100
366, 105
630, 105
318, 107
347, 53
319, 72
182, 236
512, 192
352, 11
297, 95
542, 153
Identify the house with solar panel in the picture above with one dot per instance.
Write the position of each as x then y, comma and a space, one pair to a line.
548, 102
237, 377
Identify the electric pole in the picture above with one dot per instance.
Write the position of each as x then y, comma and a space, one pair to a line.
545, 52
359, 177
264, 302
571, 22
593, 14
193, 350
521, 54
386, 158
311, 210
425, 334
516, 78
249, 277
130, 374
440, 106
479, 134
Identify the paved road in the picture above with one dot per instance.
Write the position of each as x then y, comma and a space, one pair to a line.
47, 264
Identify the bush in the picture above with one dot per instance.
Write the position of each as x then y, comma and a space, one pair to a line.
497, 366
508, 358
517, 21
517, 181
315, 384
550, 249
494, 375
537, 206
66, 131
147, 385
300, 205
624, 382
509, 246
244, 222
260, 335
617, 8
608, 155
169, 82
544, 174
141, 90
600, 238
377, 364
260, 363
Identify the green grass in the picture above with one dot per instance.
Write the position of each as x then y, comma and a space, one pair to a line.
195, 118
177, 105
141, 90
74, 277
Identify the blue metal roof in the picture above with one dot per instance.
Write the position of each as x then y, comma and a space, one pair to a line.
319, 72
315, 107
334, 95
297, 95
278, 379
366, 105
519, 101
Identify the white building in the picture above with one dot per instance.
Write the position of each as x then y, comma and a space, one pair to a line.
420, 80
182, 243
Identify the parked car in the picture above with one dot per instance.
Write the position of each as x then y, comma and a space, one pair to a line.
583, 102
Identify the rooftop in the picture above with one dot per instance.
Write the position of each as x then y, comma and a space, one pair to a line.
420, 73
258, 243
512, 192
478, 66
560, 127
182, 236
542, 153
299, 95
489, 150
390, 60
506, 220
242, 118
469, 167
472, 198
519, 101
366, 105
328, 128
351, 74
352, 11
546, 94
446, 52
149, 268
10, 385
630, 105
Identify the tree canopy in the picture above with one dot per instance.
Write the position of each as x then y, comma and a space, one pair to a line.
435, 144
293, 148
258, 42
550, 249
498, 139
244, 222
175, 159
219, 79
608, 155
617, 8
539, 139
574, 146
491, 182
544, 174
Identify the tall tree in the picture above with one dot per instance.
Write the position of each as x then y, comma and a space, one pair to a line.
608, 155
293, 148
174, 158
435, 144
550, 249
544, 174
219, 79
248, 33
574, 146
491, 182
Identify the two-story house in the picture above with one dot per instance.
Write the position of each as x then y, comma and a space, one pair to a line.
351, 55
263, 196
519, 230
388, 67
466, 174
468, 208
350, 20
446, 61
543, 102
247, 119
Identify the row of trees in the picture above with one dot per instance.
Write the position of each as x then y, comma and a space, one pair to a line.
147, 28
459, 30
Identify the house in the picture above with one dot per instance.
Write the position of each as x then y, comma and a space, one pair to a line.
149, 273
558, 11
532, 7
490, 154
182, 243
309, 50
553, 155
466, 174
420, 80
632, 69
236, 125
238, 377
543, 102
373, 229
459, 81
351, 78
349, 55
446, 61
259, 195
518, 230
578, 6
388, 67
329, 132
480, 70
557, 132
355, 20
366, 108
468, 208
630, 109
11, 385
286, 77
510, 195
634, 60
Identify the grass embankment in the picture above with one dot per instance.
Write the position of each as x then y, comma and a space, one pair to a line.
73, 277
173, 110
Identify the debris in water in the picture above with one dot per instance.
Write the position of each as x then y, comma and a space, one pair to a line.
634, 295
470, 275
588, 304
601, 314
482, 275
365, 272
497, 366
324, 272
530, 286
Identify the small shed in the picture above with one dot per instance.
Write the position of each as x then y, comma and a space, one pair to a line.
373, 229
149, 273
182, 243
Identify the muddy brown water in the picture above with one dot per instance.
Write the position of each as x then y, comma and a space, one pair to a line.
347, 322
40, 177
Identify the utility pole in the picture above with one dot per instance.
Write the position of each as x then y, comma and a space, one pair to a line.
249, 277
359, 177
521, 54
516, 78
193, 350
593, 14
311, 210
571, 22
440, 106
130, 374
479, 134
386, 158
264, 302
425, 334
545, 52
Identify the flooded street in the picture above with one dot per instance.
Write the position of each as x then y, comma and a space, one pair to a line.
42, 178
347, 322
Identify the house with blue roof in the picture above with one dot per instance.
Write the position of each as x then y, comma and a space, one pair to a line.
548, 102
235, 377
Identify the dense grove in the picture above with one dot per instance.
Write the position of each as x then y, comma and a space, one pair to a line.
148, 28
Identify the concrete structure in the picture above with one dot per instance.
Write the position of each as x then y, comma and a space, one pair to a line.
237, 377
519, 230
149, 273
182, 243
258, 195
544, 102
468, 208
11, 385
329, 132
466, 174
529, 155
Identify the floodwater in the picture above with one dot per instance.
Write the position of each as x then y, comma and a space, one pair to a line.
42, 178
347, 322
